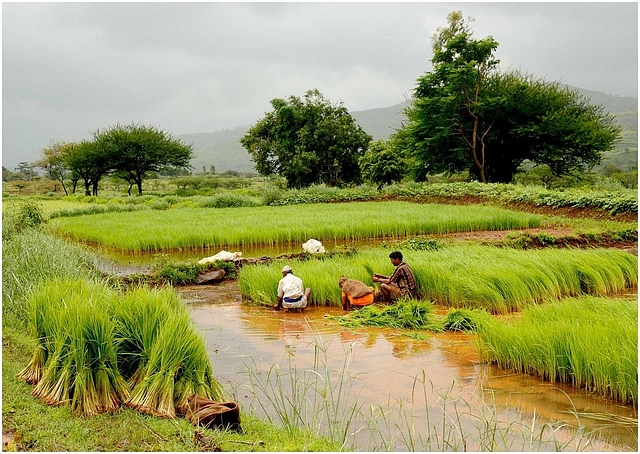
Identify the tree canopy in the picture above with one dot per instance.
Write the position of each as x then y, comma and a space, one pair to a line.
468, 116
130, 152
307, 141
136, 150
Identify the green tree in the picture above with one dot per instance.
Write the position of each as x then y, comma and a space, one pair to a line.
88, 163
546, 124
6, 174
307, 141
53, 162
382, 164
468, 116
25, 169
135, 151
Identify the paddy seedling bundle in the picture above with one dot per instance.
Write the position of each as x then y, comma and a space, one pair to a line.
589, 342
236, 227
471, 276
91, 340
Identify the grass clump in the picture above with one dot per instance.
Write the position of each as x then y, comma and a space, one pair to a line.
589, 342
406, 314
465, 320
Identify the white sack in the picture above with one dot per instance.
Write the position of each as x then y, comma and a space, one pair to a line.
222, 255
313, 246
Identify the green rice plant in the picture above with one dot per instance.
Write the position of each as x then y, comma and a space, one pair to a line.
177, 367
91, 340
47, 312
76, 342
405, 314
589, 342
237, 227
465, 276
138, 314
465, 320
98, 385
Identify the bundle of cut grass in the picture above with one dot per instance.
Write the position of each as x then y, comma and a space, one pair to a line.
81, 364
98, 385
46, 312
138, 315
465, 320
588, 342
177, 367
90, 339
406, 314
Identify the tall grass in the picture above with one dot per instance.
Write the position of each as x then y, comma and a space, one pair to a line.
30, 257
465, 276
589, 342
226, 227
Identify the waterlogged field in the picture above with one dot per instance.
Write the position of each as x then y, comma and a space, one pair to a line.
152, 230
499, 280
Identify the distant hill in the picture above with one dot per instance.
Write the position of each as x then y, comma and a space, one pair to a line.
223, 150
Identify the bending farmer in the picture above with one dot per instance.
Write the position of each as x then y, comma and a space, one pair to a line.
291, 291
355, 293
401, 284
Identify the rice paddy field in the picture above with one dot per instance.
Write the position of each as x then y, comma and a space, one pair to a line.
153, 230
499, 280
555, 315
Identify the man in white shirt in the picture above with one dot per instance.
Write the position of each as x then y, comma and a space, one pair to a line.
291, 291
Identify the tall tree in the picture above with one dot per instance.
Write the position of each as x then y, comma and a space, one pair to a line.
448, 108
468, 116
87, 162
53, 162
25, 169
137, 150
307, 141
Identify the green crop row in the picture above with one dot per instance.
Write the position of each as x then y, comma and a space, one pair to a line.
235, 227
611, 201
589, 342
469, 276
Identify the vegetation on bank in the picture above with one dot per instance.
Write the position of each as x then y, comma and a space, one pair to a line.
588, 342
609, 199
224, 228
498, 280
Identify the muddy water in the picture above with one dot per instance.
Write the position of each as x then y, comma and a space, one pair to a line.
385, 368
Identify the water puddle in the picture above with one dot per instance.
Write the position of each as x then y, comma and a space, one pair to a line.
386, 368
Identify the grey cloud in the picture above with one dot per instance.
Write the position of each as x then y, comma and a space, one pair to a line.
70, 68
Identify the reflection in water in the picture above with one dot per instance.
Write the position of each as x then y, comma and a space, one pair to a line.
388, 368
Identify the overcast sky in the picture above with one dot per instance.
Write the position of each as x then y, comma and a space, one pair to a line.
71, 68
